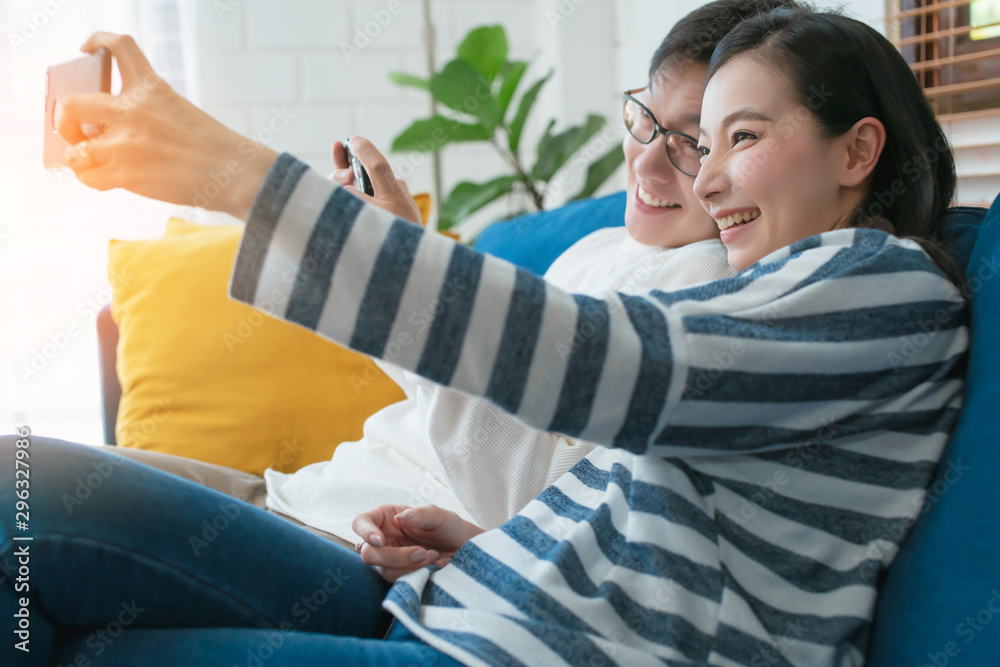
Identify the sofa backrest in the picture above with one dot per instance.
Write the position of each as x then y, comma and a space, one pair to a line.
940, 603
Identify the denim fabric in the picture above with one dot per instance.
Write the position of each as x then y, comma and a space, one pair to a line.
130, 565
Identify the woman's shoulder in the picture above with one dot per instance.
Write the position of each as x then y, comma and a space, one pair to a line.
846, 261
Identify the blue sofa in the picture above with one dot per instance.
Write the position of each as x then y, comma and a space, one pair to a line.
940, 603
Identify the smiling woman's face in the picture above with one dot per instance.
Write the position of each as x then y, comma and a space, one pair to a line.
662, 209
770, 178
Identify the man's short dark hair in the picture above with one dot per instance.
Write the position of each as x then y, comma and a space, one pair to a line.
695, 36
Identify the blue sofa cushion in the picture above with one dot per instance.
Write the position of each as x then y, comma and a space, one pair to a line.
940, 604
533, 241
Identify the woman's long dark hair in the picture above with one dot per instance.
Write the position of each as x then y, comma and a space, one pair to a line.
856, 73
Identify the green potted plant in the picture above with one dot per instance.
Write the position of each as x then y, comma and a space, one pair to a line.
478, 88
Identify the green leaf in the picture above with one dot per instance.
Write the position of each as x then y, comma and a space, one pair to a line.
600, 170
467, 198
460, 87
523, 108
485, 49
432, 134
404, 79
555, 150
511, 73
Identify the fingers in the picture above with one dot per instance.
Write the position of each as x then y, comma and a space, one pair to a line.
339, 155
342, 174
383, 180
423, 518
344, 177
132, 63
367, 526
398, 558
376, 526
86, 109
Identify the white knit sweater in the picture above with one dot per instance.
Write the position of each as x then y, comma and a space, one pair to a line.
419, 451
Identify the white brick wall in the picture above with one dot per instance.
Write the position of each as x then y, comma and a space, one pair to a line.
325, 62
324, 65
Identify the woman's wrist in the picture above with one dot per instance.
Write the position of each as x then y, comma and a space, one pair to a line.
248, 183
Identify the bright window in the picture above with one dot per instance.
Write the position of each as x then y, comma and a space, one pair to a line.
953, 47
985, 13
53, 231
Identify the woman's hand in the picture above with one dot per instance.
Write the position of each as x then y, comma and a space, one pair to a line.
153, 142
390, 193
400, 539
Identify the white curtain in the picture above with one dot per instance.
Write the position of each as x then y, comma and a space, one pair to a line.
54, 232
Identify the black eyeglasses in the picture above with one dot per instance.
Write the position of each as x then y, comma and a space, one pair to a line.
682, 149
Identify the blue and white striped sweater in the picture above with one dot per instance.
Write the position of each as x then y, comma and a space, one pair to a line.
771, 435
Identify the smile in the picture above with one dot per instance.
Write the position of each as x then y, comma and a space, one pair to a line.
737, 219
650, 200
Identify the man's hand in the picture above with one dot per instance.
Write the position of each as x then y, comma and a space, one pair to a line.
400, 539
390, 192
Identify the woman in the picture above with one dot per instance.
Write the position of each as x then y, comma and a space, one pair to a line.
777, 446
429, 449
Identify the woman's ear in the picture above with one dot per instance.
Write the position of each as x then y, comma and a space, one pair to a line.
864, 144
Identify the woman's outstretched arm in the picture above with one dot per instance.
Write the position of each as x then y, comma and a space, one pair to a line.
854, 329
817, 335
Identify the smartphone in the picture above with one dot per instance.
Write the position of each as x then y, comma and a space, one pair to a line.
90, 74
361, 180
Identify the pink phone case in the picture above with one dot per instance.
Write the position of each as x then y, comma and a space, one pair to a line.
90, 74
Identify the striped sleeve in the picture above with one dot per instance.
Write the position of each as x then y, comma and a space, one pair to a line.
630, 371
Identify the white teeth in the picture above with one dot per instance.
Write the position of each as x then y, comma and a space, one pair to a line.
650, 200
737, 218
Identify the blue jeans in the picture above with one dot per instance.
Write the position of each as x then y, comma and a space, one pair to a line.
130, 565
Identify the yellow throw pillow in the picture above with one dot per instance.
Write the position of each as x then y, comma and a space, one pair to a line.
209, 378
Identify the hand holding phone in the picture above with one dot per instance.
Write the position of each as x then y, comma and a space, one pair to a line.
361, 180
90, 74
